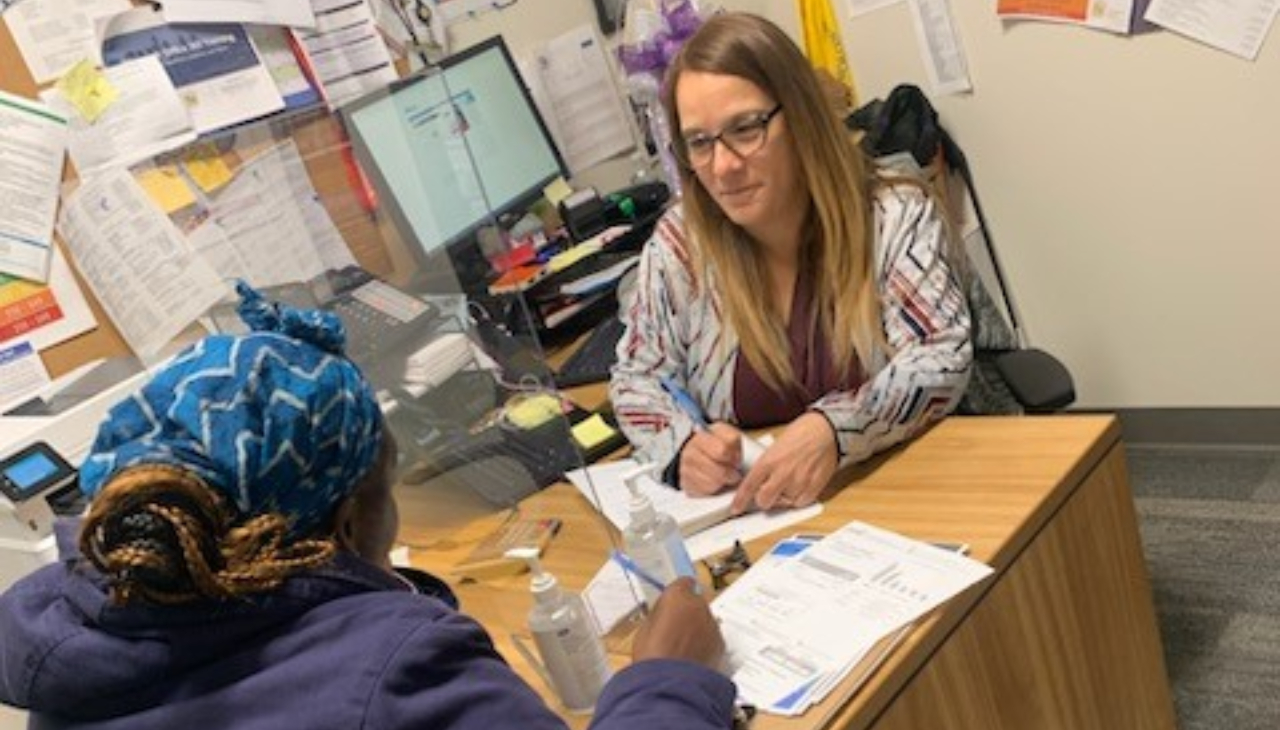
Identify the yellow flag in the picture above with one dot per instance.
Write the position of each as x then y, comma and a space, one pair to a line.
823, 45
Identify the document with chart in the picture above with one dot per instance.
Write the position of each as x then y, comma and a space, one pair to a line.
793, 628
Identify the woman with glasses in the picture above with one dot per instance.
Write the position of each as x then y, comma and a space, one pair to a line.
792, 286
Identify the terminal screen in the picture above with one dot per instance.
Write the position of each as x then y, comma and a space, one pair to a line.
454, 149
30, 471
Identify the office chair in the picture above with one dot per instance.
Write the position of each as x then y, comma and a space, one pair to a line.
1009, 376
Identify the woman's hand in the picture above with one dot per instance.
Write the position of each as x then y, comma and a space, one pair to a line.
680, 627
711, 460
793, 471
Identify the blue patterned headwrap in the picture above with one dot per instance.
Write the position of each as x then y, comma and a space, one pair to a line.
277, 420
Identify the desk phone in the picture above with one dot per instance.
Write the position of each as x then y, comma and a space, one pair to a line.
376, 314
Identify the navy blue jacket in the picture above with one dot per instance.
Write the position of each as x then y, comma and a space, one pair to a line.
345, 647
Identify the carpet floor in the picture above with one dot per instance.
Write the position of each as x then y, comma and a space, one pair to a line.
1210, 523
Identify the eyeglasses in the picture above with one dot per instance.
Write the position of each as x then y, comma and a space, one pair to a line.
744, 137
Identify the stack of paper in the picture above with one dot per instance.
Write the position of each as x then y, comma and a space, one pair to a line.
795, 628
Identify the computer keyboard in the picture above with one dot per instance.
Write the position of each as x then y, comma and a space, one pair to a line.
545, 453
594, 357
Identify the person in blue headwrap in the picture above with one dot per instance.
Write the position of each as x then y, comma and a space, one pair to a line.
233, 571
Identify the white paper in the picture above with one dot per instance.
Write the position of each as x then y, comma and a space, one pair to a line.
261, 12
346, 51
602, 484
1236, 26
46, 313
745, 528
33, 143
22, 373
54, 35
611, 596
789, 625
215, 67
943, 55
147, 119
576, 94
862, 7
267, 225
147, 278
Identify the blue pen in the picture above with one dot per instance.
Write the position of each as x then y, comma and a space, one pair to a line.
751, 449
684, 402
634, 568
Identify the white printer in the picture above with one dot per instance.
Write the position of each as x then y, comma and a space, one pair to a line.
37, 451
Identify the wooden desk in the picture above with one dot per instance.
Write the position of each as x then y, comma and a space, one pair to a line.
1062, 636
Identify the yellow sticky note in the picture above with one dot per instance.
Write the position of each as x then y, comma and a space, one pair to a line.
558, 190
88, 90
593, 431
166, 188
206, 167
534, 411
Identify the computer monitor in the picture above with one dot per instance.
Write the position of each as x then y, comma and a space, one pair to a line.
453, 149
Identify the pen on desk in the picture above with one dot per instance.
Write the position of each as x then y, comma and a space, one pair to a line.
634, 568
684, 402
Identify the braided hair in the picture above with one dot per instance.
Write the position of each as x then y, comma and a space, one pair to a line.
160, 534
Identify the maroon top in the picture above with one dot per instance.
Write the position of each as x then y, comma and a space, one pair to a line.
758, 406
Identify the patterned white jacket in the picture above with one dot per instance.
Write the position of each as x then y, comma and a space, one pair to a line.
675, 329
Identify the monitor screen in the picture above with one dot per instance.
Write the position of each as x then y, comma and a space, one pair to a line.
453, 149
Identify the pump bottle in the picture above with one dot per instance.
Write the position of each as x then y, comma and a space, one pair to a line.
573, 655
652, 539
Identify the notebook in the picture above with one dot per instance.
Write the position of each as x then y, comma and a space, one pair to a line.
604, 487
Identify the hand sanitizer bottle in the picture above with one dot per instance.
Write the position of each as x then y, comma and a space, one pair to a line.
652, 539
573, 655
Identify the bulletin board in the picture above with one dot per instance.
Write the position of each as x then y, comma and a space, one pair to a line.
323, 147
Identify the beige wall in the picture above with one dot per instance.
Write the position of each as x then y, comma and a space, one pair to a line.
1128, 181
1130, 186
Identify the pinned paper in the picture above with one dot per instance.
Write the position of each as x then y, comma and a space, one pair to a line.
206, 167
88, 90
166, 187
592, 432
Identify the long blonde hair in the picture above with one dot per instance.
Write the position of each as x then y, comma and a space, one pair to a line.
838, 239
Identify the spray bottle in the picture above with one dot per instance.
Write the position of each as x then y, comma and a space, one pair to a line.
573, 656
652, 539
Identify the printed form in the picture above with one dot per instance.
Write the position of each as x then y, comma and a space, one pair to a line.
267, 226
792, 628
33, 144
136, 261
149, 118
54, 35
572, 86
1235, 26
